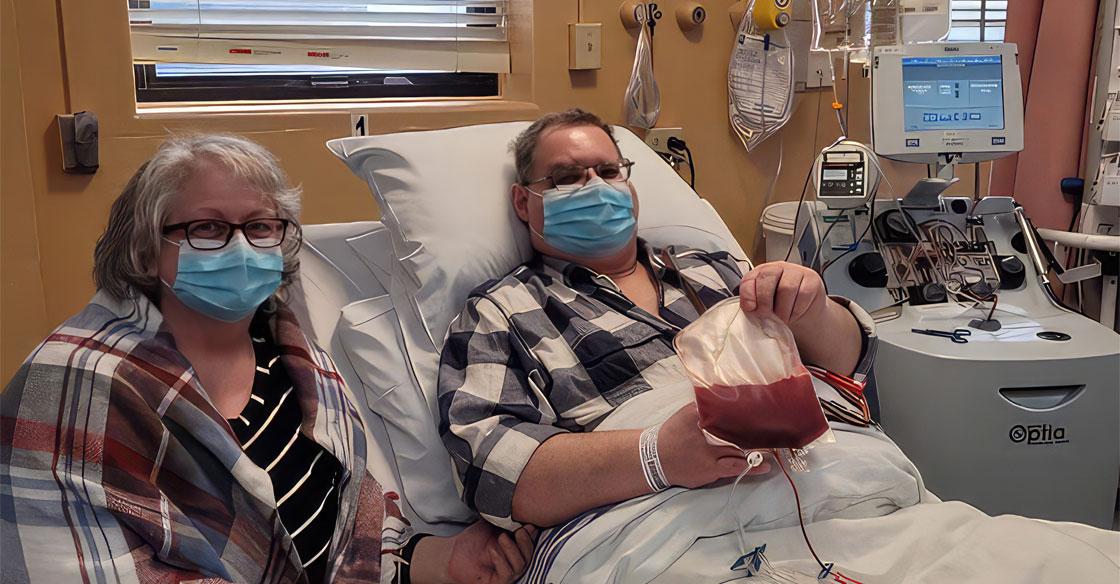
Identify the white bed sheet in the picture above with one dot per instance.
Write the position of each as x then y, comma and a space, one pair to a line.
866, 508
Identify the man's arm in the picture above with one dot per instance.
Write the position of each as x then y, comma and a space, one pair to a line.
832, 340
518, 467
573, 473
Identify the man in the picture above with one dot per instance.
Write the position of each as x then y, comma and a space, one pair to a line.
540, 357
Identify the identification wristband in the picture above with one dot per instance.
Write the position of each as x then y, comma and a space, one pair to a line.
651, 462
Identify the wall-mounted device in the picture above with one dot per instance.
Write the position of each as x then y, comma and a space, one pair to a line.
78, 136
585, 46
691, 15
845, 176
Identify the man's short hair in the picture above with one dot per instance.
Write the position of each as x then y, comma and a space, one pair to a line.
525, 145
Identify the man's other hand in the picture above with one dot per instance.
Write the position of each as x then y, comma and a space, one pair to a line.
689, 460
788, 291
484, 554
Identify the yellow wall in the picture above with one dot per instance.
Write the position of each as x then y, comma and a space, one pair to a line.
73, 55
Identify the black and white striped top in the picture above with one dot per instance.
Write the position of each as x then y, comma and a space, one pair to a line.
305, 477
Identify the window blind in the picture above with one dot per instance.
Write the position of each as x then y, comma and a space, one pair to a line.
978, 20
385, 35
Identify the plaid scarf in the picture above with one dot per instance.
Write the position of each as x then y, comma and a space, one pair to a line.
116, 467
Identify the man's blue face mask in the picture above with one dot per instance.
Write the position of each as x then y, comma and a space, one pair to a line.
230, 283
594, 220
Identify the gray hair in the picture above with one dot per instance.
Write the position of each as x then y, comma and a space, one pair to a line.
525, 145
128, 250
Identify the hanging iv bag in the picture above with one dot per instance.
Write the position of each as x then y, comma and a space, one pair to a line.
858, 25
759, 83
643, 98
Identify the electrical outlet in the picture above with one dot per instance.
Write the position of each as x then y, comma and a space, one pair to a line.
658, 138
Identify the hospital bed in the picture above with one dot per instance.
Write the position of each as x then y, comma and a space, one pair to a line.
380, 296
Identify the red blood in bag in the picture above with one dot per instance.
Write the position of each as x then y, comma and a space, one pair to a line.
783, 414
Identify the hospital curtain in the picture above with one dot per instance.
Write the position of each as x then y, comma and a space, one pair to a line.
1055, 40
392, 35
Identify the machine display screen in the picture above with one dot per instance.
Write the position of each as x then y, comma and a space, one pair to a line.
952, 93
834, 174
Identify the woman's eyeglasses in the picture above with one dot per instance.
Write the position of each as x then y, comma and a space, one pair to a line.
210, 234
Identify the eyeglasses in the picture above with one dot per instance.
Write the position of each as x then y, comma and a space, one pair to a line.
209, 234
576, 176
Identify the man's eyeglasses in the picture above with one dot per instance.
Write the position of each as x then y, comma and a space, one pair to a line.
576, 176
209, 234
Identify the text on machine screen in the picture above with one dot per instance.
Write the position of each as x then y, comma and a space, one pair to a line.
952, 93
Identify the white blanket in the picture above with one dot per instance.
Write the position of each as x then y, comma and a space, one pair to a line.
865, 507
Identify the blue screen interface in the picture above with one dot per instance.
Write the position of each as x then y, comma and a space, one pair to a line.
952, 93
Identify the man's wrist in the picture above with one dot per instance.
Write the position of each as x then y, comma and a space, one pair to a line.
430, 560
809, 325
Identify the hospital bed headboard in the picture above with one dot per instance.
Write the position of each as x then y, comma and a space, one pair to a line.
444, 196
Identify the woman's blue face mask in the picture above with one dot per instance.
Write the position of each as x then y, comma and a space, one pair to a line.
227, 284
594, 220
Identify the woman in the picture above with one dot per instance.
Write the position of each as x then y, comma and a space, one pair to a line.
182, 427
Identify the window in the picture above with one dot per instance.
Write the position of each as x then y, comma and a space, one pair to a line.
978, 20
206, 50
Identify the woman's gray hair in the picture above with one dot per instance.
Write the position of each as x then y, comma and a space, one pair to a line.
127, 253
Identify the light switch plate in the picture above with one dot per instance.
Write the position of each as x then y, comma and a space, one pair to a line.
585, 46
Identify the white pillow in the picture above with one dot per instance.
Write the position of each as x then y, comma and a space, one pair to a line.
373, 344
341, 300
444, 195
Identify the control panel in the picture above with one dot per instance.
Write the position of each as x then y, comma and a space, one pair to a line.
845, 176
841, 175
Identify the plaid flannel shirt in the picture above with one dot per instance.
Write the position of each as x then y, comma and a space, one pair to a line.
554, 347
115, 466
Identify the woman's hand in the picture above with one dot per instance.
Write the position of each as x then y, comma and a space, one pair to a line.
788, 291
480, 554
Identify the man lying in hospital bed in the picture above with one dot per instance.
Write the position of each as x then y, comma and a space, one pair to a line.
865, 504
543, 356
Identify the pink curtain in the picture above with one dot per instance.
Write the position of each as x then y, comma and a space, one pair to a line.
1055, 40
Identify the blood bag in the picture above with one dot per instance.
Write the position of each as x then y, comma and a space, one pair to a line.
751, 388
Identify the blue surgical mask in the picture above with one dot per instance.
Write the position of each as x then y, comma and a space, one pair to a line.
594, 220
230, 283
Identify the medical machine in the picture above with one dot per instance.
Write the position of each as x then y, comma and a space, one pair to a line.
1003, 397
945, 103
845, 175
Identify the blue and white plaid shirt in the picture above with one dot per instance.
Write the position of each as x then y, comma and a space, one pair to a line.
555, 347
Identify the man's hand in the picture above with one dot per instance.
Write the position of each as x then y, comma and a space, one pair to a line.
480, 554
689, 460
788, 291
826, 332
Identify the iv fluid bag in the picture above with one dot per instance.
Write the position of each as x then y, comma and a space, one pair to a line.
759, 84
859, 25
751, 389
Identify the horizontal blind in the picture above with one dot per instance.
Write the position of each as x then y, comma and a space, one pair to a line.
978, 20
389, 35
